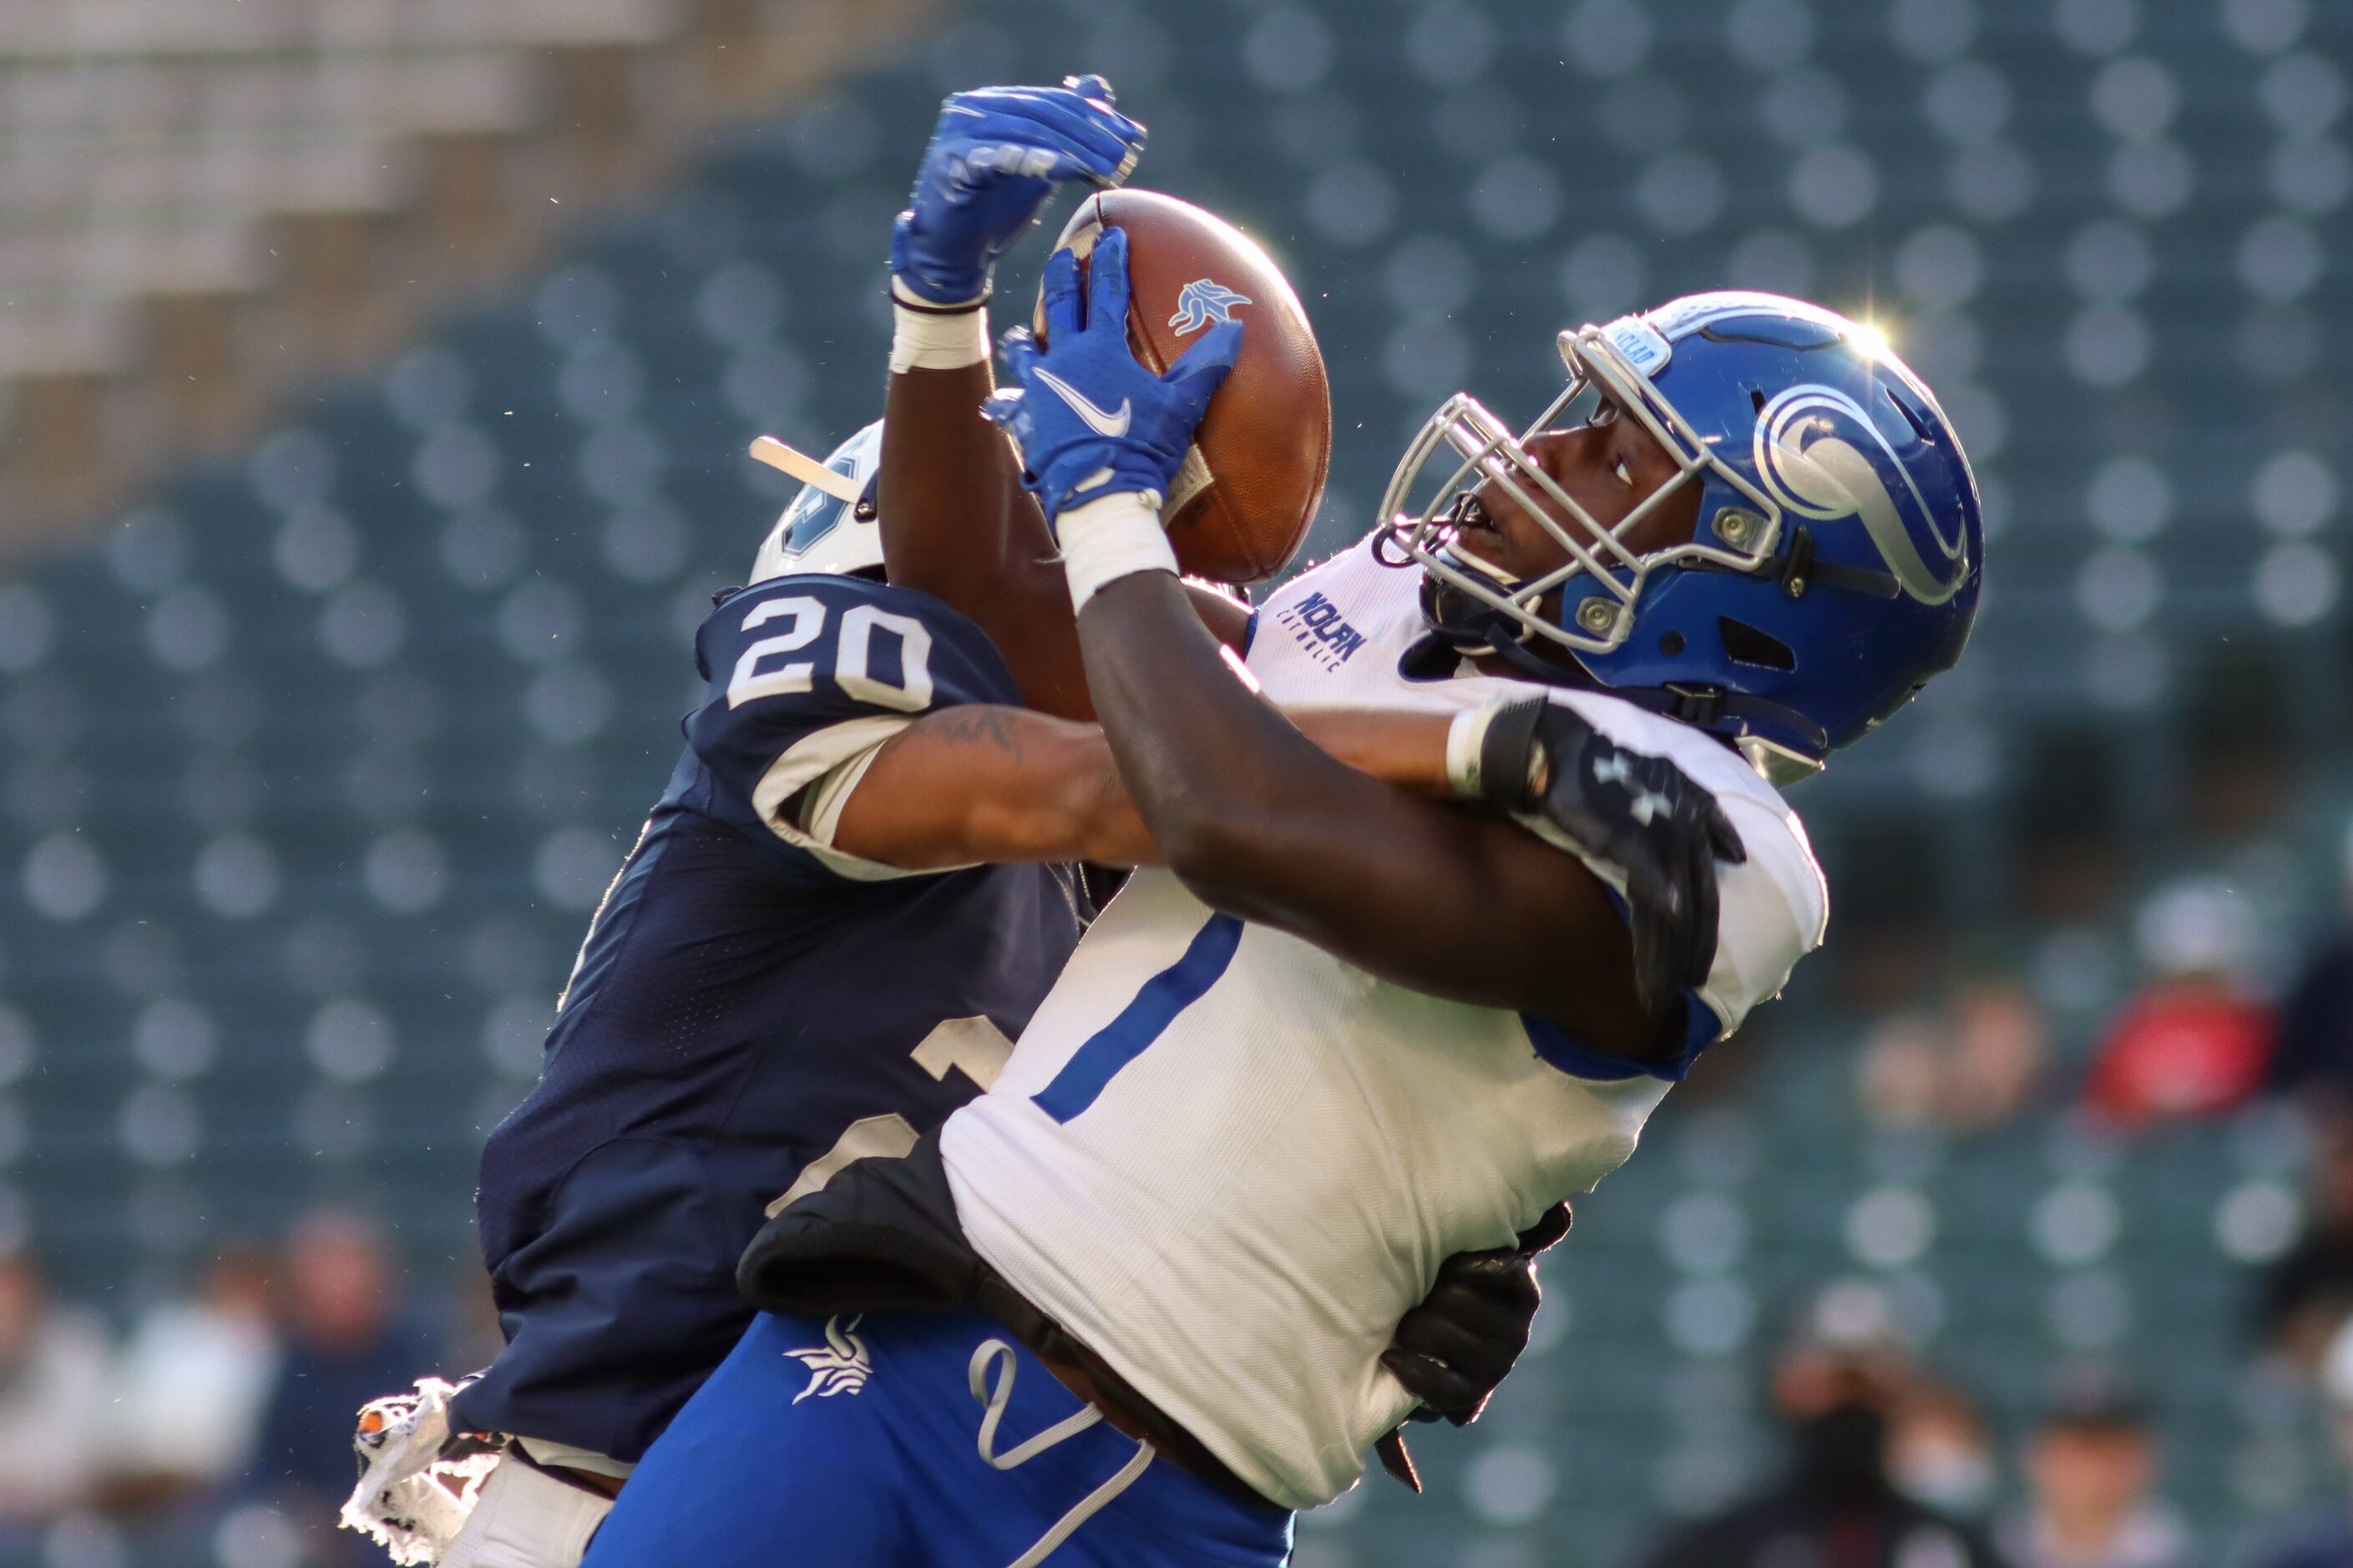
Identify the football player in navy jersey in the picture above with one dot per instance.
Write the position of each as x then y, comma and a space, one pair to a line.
756, 1004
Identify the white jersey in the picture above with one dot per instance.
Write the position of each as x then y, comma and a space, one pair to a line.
1229, 1163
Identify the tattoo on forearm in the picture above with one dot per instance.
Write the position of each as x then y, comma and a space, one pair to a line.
979, 726
1111, 795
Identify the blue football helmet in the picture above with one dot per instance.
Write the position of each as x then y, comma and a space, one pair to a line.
820, 533
1838, 552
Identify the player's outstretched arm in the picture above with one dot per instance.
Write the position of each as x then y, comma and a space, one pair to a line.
984, 784
955, 522
957, 525
1258, 822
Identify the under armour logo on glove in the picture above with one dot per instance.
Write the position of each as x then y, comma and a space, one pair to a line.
1614, 769
1640, 814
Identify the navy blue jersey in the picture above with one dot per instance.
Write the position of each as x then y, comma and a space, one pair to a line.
746, 1002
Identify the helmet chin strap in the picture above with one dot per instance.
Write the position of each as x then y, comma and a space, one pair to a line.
1507, 645
1729, 715
1484, 631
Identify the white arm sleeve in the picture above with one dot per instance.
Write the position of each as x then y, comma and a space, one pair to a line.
802, 795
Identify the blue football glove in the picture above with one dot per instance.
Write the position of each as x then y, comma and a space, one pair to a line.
996, 155
1089, 419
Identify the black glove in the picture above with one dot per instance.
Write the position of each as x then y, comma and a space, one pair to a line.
1453, 1350
1639, 813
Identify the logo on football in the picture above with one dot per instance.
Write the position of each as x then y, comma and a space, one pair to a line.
1204, 301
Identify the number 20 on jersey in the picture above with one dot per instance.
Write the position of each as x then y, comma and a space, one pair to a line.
758, 674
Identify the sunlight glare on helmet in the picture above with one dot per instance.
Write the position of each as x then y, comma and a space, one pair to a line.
1872, 339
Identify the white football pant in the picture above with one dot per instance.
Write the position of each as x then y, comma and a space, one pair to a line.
527, 1519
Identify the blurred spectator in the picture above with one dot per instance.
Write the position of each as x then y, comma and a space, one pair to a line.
191, 1384
2193, 1042
53, 1365
2091, 1468
2326, 1542
2308, 1292
1963, 1066
1836, 1506
346, 1343
2315, 1056
1939, 1452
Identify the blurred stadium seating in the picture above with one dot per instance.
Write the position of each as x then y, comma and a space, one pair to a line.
316, 765
210, 200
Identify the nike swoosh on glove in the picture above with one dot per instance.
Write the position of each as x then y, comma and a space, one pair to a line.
1090, 420
994, 157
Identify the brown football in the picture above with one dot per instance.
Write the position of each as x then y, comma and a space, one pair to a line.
1248, 489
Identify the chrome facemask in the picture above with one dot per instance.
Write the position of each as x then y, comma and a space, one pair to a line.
1601, 579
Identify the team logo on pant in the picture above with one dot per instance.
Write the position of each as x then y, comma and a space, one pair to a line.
839, 1366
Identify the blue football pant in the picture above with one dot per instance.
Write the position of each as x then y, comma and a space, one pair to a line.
862, 1442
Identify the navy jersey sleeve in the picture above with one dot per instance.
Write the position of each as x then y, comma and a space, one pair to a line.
808, 676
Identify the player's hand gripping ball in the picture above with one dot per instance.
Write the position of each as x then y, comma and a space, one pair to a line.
996, 155
1089, 419
1243, 499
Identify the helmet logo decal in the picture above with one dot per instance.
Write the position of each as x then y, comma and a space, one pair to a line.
812, 516
1821, 456
1202, 301
829, 527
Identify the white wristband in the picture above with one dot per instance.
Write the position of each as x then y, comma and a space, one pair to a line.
1465, 737
1116, 537
935, 340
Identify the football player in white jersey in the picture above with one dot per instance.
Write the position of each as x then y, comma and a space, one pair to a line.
1345, 1032
939, 844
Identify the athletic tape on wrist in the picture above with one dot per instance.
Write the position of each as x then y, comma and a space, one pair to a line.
1511, 761
935, 340
1465, 737
1116, 537
1491, 749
